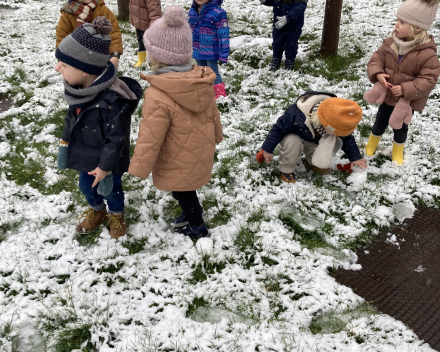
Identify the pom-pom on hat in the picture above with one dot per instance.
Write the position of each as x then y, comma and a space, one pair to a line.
169, 39
419, 13
339, 116
87, 48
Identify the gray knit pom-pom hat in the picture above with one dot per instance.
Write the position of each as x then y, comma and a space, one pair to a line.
419, 13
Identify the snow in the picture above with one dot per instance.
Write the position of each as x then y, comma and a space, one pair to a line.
262, 297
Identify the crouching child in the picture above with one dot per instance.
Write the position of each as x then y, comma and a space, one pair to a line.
96, 134
318, 124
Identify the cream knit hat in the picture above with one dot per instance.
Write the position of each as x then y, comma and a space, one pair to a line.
419, 13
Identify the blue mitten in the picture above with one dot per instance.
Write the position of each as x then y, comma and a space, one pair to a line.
62, 155
106, 185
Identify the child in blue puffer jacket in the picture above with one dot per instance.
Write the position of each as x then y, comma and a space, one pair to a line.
288, 20
209, 25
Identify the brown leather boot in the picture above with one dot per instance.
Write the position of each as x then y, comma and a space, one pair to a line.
315, 169
118, 226
92, 221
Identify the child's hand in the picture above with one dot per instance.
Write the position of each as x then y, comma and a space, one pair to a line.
362, 163
99, 175
267, 156
397, 91
382, 78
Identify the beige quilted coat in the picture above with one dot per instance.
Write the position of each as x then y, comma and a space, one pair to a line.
144, 12
417, 72
179, 129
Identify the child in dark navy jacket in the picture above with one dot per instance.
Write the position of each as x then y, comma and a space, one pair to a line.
318, 124
209, 25
96, 134
288, 20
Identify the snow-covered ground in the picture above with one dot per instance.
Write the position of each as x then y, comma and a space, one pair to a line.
261, 282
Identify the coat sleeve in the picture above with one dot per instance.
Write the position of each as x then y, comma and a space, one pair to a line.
217, 125
222, 26
152, 131
376, 64
279, 130
115, 34
424, 82
154, 10
269, 3
114, 128
350, 148
64, 28
297, 12
66, 128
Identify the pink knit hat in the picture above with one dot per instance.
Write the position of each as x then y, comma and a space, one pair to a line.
169, 39
419, 13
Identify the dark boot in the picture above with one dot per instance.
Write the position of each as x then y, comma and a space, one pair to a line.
194, 232
275, 65
289, 65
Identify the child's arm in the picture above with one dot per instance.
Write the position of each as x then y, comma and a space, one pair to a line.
152, 131
154, 10
222, 26
115, 34
424, 82
64, 28
279, 130
376, 64
350, 148
296, 12
267, 2
218, 125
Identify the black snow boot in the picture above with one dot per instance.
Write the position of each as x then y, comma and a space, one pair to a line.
275, 64
288, 65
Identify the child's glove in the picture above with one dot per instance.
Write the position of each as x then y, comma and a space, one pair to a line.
402, 113
376, 95
62, 155
345, 168
260, 156
282, 21
106, 185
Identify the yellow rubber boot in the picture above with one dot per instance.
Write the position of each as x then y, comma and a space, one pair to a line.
142, 55
373, 141
397, 153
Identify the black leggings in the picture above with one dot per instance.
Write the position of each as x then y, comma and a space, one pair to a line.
140, 35
381, 124
191, 206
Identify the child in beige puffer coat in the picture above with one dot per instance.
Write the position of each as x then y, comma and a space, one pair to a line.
404, 71
180, 124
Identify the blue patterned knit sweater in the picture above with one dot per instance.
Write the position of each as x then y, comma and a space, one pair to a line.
210, 31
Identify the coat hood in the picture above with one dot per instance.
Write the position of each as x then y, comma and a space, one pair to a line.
193, 89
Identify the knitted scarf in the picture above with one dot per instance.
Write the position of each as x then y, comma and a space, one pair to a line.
77, 97
314, 119
83, 12
404, 47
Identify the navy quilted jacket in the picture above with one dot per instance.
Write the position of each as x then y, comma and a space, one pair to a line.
293, 121
210, 30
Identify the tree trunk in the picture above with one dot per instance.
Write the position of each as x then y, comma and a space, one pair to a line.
123, 10
330, 32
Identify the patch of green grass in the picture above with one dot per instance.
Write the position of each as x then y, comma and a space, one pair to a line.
206, 268
73, 338
89, 239
61, 279
364, 129
380, 159
245, 239
309, 239
197, 303
111, 269
8, 332
135, 245
435, 181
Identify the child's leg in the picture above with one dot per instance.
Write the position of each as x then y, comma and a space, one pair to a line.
95, 200
291, 148
400, 135
292, 47
278, 43
115, 200
213, 65
201, 63
191, 206
140, 36
382, 119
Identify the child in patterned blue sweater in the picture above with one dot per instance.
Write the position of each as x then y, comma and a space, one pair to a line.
209, 25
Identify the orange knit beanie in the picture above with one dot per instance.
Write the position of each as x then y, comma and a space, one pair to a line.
339, 116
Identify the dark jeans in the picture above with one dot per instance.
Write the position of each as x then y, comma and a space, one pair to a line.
213, 65
285, 40
381, 124
140, 35
115, 200
191, 206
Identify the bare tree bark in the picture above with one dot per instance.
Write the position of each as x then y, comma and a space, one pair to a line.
123, 10
330, 32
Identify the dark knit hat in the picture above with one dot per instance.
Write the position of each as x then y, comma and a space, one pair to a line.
87, 48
